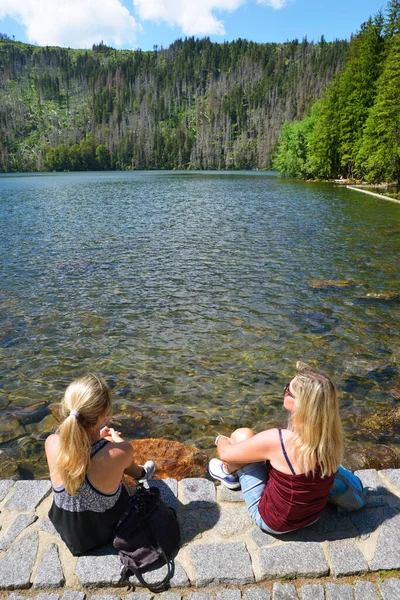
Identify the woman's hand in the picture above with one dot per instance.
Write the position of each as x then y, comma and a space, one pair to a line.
108, 433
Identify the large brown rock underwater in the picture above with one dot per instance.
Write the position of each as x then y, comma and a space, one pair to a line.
172, 458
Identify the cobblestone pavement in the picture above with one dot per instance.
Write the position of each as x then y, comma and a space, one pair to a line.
223, 556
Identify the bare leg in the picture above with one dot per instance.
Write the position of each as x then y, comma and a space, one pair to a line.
239, 435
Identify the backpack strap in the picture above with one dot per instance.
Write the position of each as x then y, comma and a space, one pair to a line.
160, 586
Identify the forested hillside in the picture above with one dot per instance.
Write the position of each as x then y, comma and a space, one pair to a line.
195, 105
354, 129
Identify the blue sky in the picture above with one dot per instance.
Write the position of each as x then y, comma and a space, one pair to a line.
145, 23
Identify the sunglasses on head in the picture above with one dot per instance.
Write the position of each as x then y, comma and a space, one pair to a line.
287, 391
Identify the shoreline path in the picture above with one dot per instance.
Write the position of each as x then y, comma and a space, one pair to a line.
345, 556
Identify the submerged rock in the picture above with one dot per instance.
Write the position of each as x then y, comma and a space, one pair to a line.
395, 390
44, 427
172, 458
371, 369
383, 296
10, 429
379, 425
377, 457
30, 455
55, 409
31, 414
8, 467
328, 283
314, 321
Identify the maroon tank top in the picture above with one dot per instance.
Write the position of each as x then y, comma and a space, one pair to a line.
293, 501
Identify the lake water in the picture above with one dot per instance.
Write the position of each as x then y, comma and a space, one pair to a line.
193, 294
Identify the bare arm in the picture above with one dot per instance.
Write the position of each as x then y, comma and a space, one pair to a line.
257, 448
125, 451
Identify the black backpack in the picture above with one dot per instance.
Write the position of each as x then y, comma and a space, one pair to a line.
148, 532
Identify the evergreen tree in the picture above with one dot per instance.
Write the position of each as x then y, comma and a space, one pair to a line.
356, 127
193, 105
324, 136
357, 90
392, 25
379, 156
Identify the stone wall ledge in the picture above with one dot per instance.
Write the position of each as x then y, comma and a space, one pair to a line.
223, 556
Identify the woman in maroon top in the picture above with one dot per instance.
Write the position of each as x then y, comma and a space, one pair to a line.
286, 474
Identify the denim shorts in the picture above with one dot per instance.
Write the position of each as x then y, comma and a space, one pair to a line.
253, 478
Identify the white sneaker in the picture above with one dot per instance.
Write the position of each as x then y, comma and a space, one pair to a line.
217, 471
149, 468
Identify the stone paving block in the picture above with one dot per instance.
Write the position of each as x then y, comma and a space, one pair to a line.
370, 479
293, 559
169, 596
15, 596
196, 492
17, 563
20, 523
392, 475
5, 487
227, 495
209, 518
28, 494
46, 525
367, 520
47, 596
333, 525
256, 594
365, 590
387, 553
229, 595
261, 538
284, 591
50, 573
139, 596
200, 596
390, 589
219, 564
189, 525
99, 569
168, 490
335, 591
233, 521
104, 597
179, 578
71, 595
346, 559
312, 592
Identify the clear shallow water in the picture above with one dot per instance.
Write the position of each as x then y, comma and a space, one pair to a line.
191, 294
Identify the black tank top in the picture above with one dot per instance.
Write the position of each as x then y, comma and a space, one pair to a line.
88, 519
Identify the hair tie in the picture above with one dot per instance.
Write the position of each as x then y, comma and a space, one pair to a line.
74, 413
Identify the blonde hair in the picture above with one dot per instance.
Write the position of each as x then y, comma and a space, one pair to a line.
85, 400
315, 421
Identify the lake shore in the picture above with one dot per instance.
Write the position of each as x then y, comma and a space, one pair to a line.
364, 191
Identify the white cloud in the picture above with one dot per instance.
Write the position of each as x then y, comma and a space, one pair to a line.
74, 23
81, 23
193, 17
276, 4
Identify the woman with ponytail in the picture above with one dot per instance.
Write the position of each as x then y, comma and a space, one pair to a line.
87, 460
286, 474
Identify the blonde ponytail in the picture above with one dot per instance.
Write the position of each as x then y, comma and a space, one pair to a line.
85, 400
315, 422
